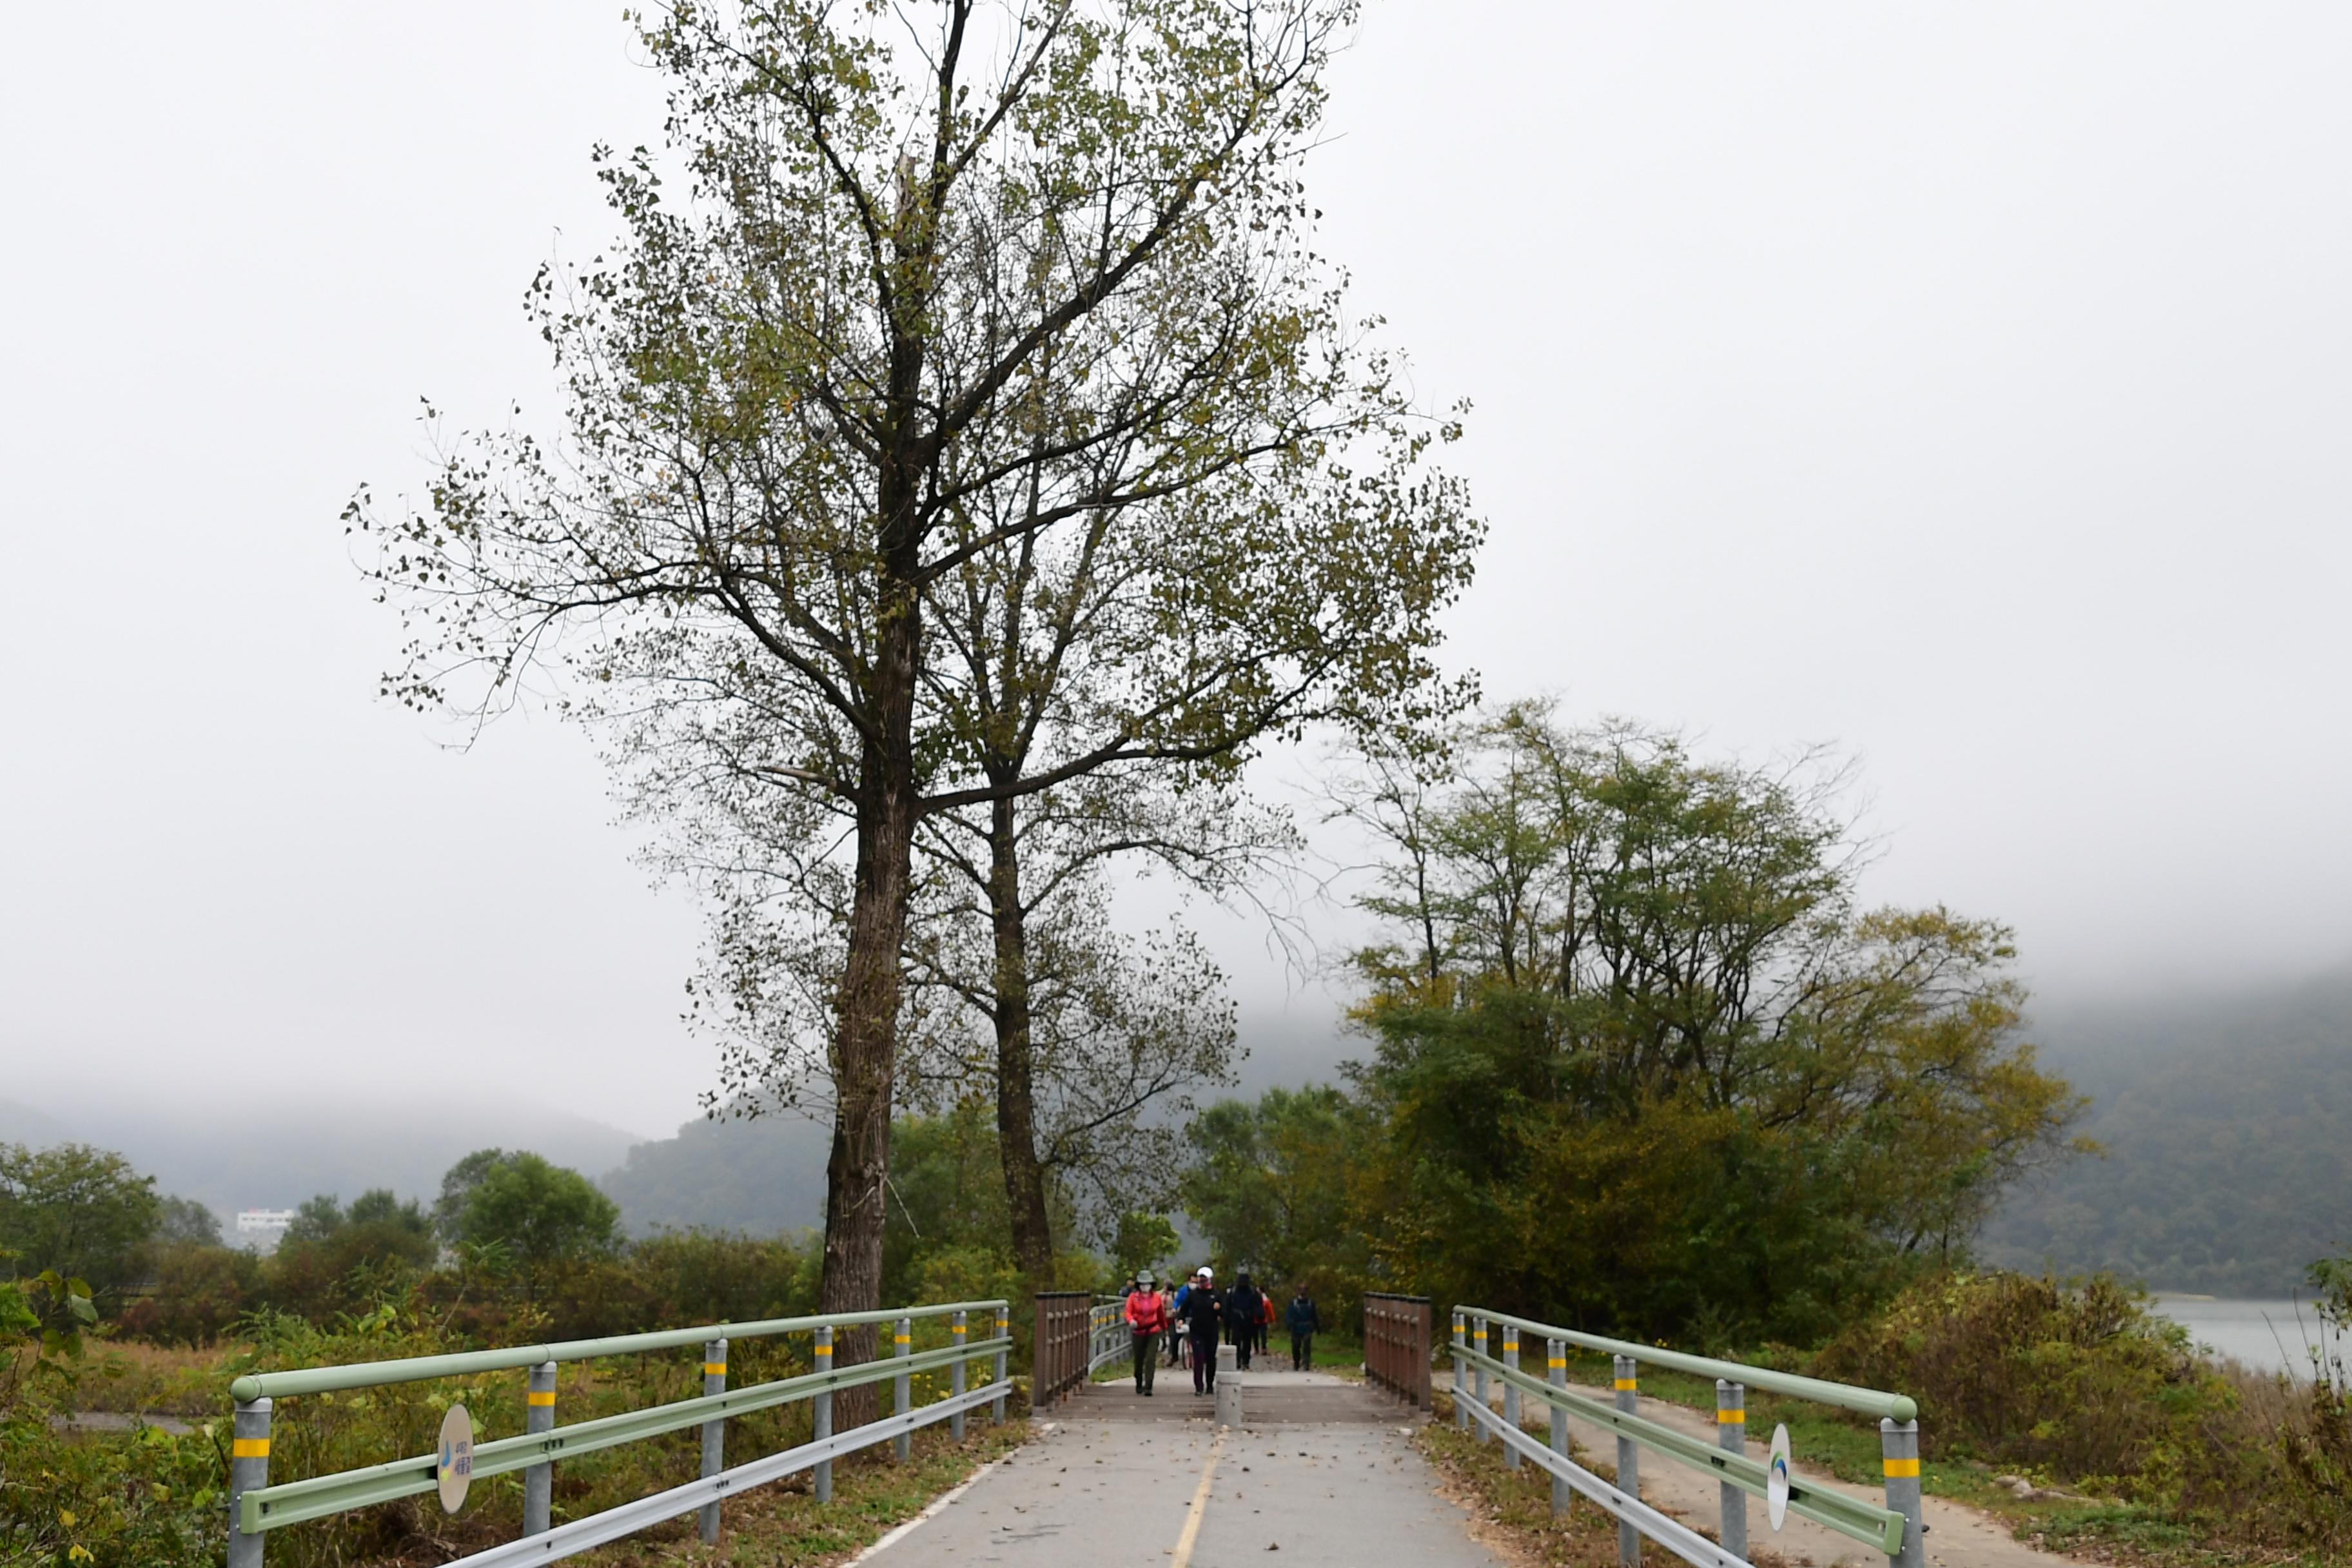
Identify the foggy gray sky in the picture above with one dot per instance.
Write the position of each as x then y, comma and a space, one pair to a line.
1966, 387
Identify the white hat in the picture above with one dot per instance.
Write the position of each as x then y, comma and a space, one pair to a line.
1207, 1272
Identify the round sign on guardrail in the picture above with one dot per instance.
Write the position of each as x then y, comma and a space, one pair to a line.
1776, 1482
455, 1469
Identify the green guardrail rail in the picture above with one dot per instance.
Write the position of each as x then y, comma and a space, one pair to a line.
1894, 1528
257, 1507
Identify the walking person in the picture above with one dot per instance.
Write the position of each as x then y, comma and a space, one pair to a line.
1303, 1320
1204, 1314
1175, 1339
1265, 1321
1243, 1309
1146, 1321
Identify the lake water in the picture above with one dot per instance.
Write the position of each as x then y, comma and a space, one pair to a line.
2268, 1336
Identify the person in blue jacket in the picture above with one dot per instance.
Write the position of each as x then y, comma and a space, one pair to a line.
1303, 1320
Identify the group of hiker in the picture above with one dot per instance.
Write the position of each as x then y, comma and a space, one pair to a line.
1192, 1317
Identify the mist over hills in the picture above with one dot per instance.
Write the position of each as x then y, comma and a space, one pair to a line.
2226, 1117
2227, 1121
274, 1156
759, 1176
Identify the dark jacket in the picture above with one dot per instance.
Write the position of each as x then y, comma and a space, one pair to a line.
1301, 1315
1244, 1310
1202, 1311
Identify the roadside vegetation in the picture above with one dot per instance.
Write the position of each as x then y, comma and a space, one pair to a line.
514, 1250
1639, 1063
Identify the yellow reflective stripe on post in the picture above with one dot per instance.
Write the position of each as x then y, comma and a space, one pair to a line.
249, 1448
1731, 1417
1510, 1347
539, 1400
1624, 1384
1899, 1469
906, 1339
825, 1351
1558, 1361
713, 1369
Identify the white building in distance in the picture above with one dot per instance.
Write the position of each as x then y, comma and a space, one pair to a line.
262, 1229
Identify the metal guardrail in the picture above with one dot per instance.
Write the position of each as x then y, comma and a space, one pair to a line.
1896, 1529
1107, 1339
1396, 1346
256, 1507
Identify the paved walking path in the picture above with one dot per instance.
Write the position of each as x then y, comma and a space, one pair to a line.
1324, 1472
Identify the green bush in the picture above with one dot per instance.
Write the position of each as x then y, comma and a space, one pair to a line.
104, 1500
139, 1499
196, 1294
2077, 1380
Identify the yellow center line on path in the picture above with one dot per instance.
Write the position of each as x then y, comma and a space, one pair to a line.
1183, 1557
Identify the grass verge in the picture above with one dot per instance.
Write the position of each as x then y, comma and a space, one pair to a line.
1510, 1511
783, 1526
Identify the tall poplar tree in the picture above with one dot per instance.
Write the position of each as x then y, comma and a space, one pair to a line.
912, 290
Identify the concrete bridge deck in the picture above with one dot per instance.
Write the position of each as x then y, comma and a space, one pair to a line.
1322, 1471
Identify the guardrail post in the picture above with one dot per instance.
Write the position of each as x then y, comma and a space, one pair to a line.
1556, 1374
955, 1383
539, 1480
714, 1431
903, 1333
1484, 1332
1629, 1459
1898, 1443
1460, 1390
820, 1414
248, 1470
1731, 1434
1003, 1332
1510, 1391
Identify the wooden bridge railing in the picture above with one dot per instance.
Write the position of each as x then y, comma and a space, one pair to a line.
1396, 1346
1059, 1362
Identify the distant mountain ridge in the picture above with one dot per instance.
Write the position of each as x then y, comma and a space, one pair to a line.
762, 1176
2227, 1125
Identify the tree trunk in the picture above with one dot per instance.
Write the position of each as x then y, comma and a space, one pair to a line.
1016, 1103
865, 1058
864, 1069
865, 1065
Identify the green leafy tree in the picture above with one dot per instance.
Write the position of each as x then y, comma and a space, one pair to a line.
381, 1205
539, 1213
1276, 1184
79, 1212
1029, 311
457, 1185
334, 1259
186, 1221
315, 1219
1141, 1240
1639, 1060
196, 1294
